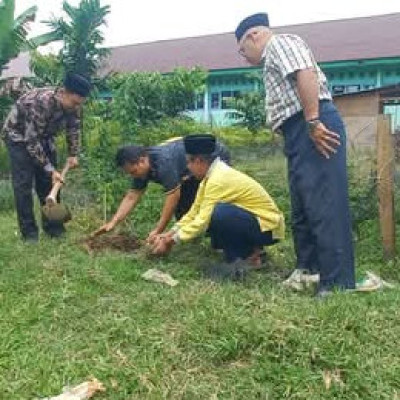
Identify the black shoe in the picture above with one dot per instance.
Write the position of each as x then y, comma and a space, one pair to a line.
264, 259
31, 239
234, 271
55, 234
323, 294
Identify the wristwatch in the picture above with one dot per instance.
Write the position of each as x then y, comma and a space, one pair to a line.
312, 124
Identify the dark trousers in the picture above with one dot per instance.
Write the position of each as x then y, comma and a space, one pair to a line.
236, 231
26, 174
188, 194
321, 220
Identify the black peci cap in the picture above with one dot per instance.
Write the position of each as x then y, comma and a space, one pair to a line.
199, 144
260, 19
77, 84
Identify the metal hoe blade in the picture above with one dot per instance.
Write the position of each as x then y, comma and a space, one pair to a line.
56, 212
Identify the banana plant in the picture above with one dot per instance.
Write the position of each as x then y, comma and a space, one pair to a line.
13, 40
14, 32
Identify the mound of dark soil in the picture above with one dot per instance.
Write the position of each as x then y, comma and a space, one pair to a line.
118, 242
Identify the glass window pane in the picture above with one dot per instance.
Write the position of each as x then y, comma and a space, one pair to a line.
214, 100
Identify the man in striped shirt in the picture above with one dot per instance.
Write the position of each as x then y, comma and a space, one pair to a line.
299, 105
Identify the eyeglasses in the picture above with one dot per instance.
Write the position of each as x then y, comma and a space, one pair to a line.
241, 50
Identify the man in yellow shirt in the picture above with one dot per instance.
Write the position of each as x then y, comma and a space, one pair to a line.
233, 208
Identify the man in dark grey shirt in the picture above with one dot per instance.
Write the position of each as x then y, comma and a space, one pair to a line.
164, 164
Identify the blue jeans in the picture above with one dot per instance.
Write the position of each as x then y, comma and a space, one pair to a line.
321, 220
237, 232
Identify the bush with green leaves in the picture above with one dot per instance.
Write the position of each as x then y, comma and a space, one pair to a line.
362, 191
48, 69
251, 109
4, 160
6, 195
250, 106
141, 99
241, 136
100, 172
165, 129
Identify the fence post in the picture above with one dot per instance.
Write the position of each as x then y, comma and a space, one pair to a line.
385, 177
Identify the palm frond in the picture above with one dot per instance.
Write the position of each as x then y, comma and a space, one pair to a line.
14, 32
82, 50
42, 40
27, 16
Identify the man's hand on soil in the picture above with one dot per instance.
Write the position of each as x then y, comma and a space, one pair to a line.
109, 226
162, 244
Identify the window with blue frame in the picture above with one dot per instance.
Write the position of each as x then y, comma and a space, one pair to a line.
227, 97
394, 111
215, 100
352, 88
236, 93
223, 100
338, 89
200, 101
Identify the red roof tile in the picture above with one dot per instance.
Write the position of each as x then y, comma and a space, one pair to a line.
339, 40
18, 67
348, 39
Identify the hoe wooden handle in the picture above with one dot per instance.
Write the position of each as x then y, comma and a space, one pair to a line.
52, 196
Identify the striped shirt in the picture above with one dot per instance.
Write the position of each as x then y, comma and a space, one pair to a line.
283, 56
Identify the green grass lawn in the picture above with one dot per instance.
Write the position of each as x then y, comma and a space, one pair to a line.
66, 316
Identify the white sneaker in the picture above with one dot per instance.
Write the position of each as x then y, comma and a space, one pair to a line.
294, 280
300, 279
372, 283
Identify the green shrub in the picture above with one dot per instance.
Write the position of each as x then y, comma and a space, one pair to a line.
100, 172
141, 98
251, 108
4, 160
362, 190
238, 136
165, 129
6, 196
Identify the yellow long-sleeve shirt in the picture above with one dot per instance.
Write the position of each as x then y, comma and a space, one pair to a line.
224, 184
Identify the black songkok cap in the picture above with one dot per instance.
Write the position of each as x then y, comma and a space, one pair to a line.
77, 84
199, 144
260, 19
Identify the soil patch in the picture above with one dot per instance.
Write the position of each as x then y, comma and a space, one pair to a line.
117, 242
